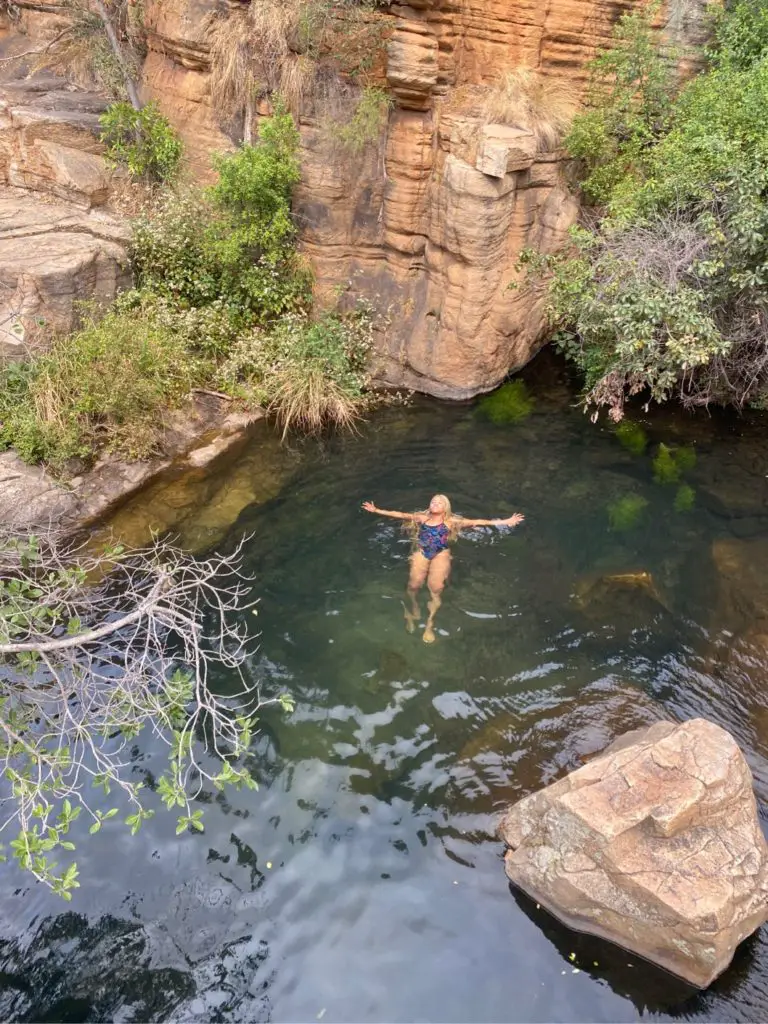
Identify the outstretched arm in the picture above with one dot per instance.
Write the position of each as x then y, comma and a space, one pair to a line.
467, 524
410, 516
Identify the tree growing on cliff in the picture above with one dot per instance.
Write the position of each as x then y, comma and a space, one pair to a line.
96, 649
664, 291
100, 46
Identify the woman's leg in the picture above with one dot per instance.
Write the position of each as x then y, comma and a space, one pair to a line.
416, 579
439, 571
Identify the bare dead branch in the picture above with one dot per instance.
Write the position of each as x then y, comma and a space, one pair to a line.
95, 647
36, 51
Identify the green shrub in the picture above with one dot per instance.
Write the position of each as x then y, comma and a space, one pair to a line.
667, 295
740, 36
18, 427
142, 141
222, 301
234, 243
510, 403
207, 332
309, 373
107, 386
256, 182
628, 105
625, 513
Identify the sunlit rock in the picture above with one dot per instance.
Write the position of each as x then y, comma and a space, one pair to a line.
655, 845
53, 255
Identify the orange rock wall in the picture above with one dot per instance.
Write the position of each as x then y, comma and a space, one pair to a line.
416, 226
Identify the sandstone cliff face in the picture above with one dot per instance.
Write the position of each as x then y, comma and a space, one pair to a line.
58, 246
430, 224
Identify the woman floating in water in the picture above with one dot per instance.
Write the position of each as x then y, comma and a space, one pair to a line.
432, 532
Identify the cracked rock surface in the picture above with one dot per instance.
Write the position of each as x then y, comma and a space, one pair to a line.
654, 845
53, 254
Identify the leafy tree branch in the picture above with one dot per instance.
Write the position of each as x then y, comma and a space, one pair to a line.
96, 648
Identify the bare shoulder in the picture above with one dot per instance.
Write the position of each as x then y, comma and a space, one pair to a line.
419, 517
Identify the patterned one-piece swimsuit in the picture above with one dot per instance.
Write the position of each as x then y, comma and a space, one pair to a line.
433, 539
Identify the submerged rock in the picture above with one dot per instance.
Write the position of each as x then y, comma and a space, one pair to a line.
614, 595
654, 845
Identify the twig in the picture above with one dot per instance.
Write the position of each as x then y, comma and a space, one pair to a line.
39, 49
213, 394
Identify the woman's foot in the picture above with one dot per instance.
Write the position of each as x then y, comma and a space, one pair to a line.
411, 618
429, 635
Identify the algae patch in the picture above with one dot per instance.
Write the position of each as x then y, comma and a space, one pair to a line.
626, 512
510, 403
670, 463
631, 436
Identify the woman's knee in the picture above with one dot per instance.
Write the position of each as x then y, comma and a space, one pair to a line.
416, 578
436, 587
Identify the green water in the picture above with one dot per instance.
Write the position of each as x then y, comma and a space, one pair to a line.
363, 882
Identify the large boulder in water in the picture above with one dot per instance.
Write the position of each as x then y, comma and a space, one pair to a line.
655, 845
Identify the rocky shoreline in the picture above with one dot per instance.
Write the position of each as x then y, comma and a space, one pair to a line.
194, 438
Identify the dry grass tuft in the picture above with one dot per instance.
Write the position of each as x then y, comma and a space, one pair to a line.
297, 77
251, 52
280, 46
524, 98
232, 71
307, 400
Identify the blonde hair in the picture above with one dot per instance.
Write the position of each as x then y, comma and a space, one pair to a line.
450, 520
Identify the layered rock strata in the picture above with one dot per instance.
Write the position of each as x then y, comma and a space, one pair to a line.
52, 256
655, 845
58, 244
429, 223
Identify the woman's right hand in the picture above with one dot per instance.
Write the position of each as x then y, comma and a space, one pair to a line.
369, 506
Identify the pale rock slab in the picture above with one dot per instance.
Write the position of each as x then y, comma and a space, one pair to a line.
53, 255
654, 845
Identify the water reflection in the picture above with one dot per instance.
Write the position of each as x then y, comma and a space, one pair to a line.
364, 880
73, 970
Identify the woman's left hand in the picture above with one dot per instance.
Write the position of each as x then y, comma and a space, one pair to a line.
514, 520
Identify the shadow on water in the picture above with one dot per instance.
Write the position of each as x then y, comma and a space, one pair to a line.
73, 970
650, 988
364, 880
